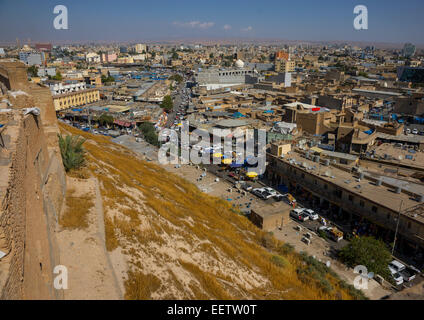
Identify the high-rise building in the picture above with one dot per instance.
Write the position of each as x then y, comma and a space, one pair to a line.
408, 50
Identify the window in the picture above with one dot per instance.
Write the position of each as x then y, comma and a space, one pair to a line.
361, 203
315, 181
374, 209
409, 224
303, 175
350, 198
325, 186
337, 193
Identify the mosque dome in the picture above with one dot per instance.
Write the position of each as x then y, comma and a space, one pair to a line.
239, 64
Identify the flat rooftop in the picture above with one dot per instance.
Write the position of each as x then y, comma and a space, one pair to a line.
267, 210
380, 195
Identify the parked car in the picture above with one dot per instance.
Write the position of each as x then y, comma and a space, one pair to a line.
267, 195
259, 192
298, 215
271, 191
408, 274
415, 131
280, 197
398, 278
396, 266
247, 187
311, 213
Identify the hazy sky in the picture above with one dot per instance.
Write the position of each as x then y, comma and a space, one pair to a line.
131, 20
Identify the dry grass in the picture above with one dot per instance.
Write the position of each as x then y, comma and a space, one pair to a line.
140, 286
166, 204
77, 209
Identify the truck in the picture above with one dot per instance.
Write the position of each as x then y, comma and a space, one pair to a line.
332, 232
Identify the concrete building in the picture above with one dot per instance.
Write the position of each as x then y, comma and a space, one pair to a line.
75, 99
270, 217
58, 88
92, 57
285, 66
352, 197
108, 57
32, 58
43, 72
218, 78
140, 48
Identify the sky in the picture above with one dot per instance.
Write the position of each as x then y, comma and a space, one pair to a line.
390, 21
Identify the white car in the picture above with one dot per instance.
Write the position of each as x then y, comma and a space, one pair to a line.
260, 192
398, 278
415, 131
271, 191
311, 214
395, 268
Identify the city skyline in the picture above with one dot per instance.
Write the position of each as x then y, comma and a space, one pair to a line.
170, 21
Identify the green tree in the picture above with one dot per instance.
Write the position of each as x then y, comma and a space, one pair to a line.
105, 119
176, 77
33, 70
167, 103
175, 56
58, 76
369, 252
72, 151
108, 79
149, 133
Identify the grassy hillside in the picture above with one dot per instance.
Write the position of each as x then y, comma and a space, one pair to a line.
183, 244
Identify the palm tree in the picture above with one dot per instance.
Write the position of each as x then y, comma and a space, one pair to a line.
72, 151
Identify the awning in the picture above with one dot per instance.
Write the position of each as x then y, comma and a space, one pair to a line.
316, 149
251, 174
226, 161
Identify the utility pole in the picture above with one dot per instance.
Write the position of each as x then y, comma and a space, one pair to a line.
397, 227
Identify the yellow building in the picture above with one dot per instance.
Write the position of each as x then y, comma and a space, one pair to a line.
75, 99
282, 65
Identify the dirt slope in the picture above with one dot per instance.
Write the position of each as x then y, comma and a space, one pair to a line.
169, 240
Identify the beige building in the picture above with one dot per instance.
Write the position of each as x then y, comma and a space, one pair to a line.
140, 48
354, 197
75, 99
272, 216
282, 65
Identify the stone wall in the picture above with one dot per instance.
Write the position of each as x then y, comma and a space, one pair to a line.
32, 191
31, 196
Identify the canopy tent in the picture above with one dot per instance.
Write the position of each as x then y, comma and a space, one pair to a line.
226, 161
316, 149
238, 115
251, 174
